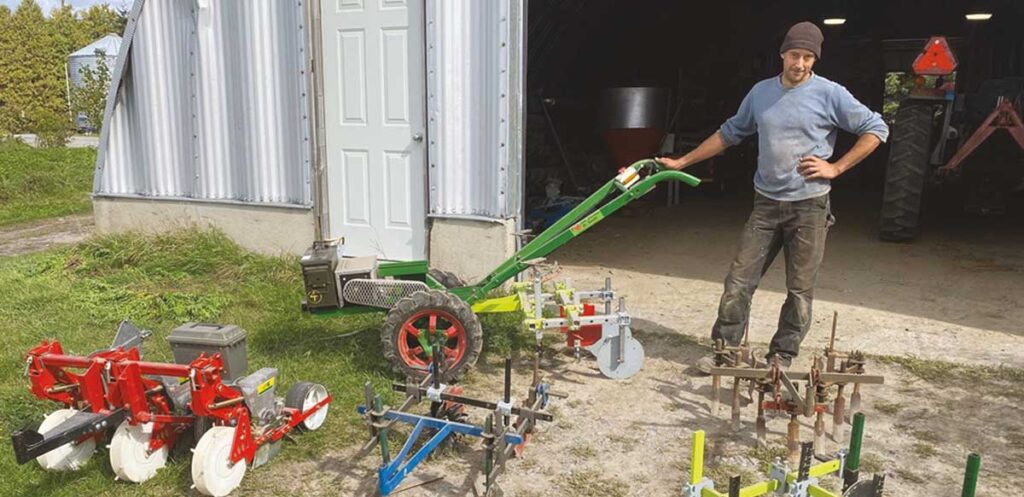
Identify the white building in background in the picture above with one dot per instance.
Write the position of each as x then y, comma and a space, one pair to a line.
397, 124
104, 49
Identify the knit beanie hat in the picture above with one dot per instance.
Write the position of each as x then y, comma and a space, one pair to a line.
803, 35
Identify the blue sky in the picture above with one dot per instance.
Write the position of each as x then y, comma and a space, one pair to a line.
48, 5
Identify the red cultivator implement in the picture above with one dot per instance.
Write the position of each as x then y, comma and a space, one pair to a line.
144, 407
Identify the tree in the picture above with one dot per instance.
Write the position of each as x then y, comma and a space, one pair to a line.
6, 40
34, 52
67, 32
35, 89
897, 87
100, 20
90, 99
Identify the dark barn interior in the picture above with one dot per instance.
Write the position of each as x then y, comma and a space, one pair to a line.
705, 56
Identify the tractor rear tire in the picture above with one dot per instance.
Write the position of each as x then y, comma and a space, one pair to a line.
413, 315
907, 171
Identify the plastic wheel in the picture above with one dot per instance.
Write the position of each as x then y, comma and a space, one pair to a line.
67, 457
418, 320
212, 473
303, 396
129, 453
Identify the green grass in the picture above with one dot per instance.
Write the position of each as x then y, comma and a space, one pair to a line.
589, 482
78, 295
1001, 380
43, 183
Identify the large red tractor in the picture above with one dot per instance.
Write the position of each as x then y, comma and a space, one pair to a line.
937, 130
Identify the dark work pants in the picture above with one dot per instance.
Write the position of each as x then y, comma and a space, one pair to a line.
798, 229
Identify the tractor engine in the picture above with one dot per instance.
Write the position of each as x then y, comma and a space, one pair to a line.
325, 274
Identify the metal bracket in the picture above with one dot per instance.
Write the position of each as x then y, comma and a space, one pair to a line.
801, 488
791, 388
543, 392
695, 490
778, 473
434, 394
505, 408
609, 330
624, 319
841, 456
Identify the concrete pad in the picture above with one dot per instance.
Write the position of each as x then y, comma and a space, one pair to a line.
264, 229
470, 249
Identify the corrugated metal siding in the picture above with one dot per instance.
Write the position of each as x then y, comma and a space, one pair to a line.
212, 105
473, 107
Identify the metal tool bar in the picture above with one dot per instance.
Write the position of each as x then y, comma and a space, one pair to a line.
30, 444
759, 374
599, 319
434, 423
225, 403
62, 388
549, 299
518, 411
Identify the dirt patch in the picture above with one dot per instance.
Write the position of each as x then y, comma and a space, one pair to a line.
41, 235
632, 437
940, 319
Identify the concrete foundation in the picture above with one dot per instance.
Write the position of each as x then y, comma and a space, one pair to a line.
269, 230
471, 249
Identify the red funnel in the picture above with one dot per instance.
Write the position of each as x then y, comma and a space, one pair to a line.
630, 145
633, 121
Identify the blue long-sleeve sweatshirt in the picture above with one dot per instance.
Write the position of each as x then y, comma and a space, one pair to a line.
797, 122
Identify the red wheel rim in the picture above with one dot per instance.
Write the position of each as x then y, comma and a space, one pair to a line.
432, 322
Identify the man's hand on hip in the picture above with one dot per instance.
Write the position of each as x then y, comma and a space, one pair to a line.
817, 168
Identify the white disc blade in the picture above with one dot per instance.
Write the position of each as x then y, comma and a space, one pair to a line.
608, 358
129, 453
212, 472
67, 457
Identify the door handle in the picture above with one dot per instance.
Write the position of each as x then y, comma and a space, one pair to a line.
417, 137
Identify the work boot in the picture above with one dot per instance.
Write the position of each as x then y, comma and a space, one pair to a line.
784, 360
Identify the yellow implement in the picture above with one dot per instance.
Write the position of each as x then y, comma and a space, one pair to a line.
510, 303
800, 483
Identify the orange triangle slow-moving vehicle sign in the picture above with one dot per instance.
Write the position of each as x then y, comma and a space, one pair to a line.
936, 59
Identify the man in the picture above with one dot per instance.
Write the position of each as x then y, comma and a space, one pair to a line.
796, 116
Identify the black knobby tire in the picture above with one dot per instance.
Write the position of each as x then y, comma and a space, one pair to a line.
431, 300
907, 171
447, 279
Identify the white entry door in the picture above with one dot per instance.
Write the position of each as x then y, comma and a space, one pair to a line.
374, 108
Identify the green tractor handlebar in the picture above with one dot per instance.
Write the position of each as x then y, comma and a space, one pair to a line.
633, 182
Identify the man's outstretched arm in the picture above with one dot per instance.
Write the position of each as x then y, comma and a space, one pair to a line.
733, 131
709, 148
